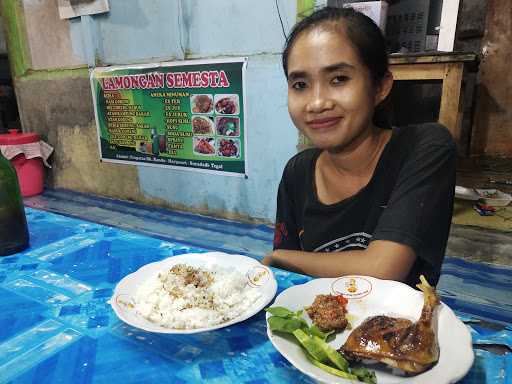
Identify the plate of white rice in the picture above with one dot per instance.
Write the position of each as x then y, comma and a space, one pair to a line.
193, 293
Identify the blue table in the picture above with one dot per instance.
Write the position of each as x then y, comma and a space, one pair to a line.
56, 325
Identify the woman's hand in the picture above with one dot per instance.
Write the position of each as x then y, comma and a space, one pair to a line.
280, 258
268, 260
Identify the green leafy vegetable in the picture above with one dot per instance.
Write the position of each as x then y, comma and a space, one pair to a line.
334, 356
364, 375
313, 340
331, 370
315, 331
311, 345
282, 324
280, 312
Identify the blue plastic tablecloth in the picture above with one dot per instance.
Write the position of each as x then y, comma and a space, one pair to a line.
56, 325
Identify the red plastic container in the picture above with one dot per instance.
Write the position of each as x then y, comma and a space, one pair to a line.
30, 171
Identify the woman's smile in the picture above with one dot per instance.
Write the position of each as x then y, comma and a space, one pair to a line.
325, 123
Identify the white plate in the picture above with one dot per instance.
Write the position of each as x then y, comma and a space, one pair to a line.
370, 297
494, 197
466, 193
258, 277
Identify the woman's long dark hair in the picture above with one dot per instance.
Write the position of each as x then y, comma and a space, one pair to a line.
365, 36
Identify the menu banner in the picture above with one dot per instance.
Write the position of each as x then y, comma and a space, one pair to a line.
185, 115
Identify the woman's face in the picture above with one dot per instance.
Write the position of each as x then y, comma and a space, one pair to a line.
331, 95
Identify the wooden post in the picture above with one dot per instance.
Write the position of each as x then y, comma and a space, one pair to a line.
450, 113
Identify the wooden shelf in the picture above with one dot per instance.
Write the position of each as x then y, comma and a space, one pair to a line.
446, 67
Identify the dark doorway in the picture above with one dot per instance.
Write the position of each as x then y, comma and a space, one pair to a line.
9, 116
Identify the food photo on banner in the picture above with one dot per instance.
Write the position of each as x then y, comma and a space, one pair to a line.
184, 115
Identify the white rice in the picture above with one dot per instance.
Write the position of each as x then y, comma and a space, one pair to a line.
186, 297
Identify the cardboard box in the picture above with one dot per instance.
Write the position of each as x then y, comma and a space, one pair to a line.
375, 10
407, 27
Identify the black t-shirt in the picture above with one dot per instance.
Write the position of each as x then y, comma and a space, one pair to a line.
408, 200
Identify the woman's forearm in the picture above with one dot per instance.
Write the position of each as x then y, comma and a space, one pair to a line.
382, 259
319, 264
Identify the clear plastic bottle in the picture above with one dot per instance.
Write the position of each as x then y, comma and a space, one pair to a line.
13, 223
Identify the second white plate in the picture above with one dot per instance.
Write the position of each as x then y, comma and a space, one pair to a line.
370, 297
258, 277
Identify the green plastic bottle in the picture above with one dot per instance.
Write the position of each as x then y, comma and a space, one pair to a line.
13, 223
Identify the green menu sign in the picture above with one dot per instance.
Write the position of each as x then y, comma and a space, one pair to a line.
187, 115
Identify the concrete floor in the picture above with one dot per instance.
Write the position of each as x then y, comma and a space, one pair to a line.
476, 243
480, 244
467, 242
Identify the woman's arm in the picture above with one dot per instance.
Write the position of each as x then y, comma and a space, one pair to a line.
382, 259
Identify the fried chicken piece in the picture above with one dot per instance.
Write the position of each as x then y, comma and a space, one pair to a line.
328, 313
397, 342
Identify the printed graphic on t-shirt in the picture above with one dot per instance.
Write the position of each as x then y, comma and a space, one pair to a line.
359, 240
280, 233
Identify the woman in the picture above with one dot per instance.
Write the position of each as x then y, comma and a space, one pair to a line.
365, 200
